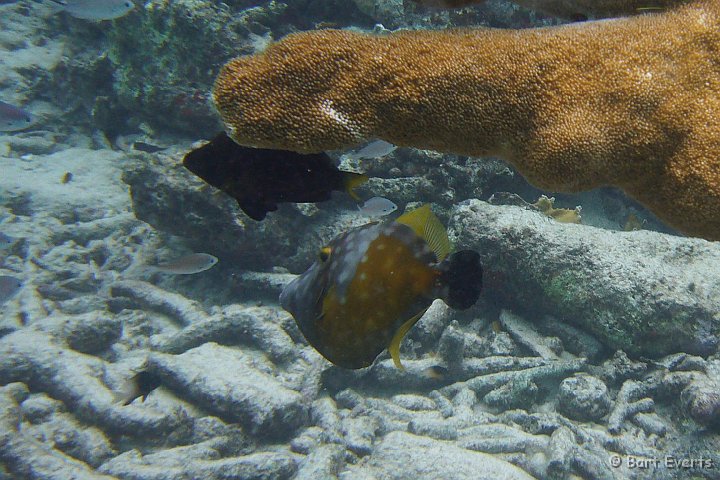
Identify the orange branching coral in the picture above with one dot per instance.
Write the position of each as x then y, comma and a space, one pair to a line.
574, 9
632, 102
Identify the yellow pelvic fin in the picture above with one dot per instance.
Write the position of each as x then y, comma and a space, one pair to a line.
352, 181
426, 225
394, 347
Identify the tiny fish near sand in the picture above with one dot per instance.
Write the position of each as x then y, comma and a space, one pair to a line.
139, 385
96, 9
9, 286
187, 265
377, 207
13, 119
6, 241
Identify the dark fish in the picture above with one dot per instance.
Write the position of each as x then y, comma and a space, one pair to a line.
13, 119
66, 178
9, 286
259, 178
139, 385
371, 284
436, 372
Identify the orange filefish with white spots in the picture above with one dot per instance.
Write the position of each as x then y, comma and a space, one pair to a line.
370, 285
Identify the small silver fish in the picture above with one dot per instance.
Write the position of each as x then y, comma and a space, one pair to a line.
13, 119
139, 385
96, 9
377, 207
6, 241
9, 286
376, 149
187, 265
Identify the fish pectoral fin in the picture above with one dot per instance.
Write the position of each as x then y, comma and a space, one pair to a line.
256, 210
394, 347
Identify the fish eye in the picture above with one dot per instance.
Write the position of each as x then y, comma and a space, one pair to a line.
325, 253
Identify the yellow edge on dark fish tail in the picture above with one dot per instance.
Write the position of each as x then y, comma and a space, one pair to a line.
394, 347
427, 226
352, 181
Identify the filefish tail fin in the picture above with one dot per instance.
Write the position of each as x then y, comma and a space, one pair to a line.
353, 180
461, 276
394, 347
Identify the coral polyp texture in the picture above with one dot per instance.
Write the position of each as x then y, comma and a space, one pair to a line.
631, 102
574, 9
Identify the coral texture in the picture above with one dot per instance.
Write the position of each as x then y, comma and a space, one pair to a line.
629, 102
574, 9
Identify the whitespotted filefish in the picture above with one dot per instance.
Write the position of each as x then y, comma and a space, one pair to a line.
370, 285
260, 178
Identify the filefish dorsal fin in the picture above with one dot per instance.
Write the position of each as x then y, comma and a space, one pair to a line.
427, 226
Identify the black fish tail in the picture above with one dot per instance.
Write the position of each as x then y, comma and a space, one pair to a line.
461, 276
351, 181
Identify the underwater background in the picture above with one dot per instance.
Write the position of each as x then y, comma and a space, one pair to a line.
591, 353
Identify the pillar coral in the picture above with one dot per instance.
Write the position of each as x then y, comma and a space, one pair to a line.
631, 102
